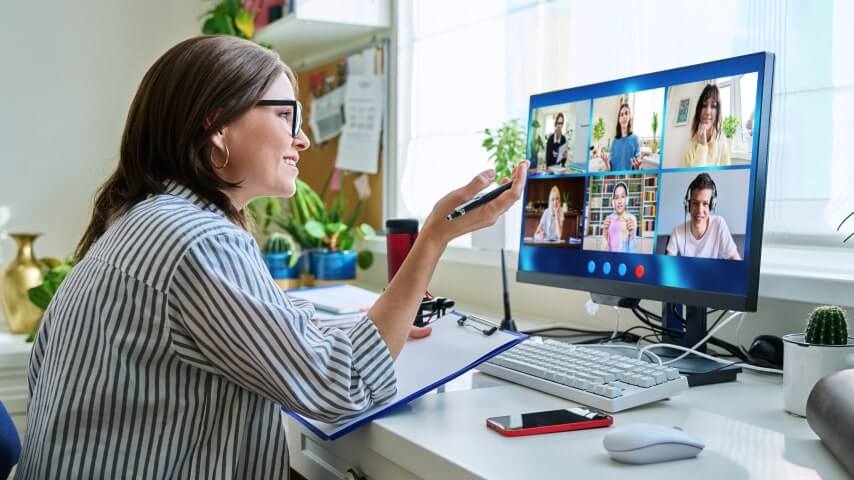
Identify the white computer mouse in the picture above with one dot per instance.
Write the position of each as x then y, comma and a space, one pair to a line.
640, 443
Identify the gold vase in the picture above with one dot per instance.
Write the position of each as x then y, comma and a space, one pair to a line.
22, 274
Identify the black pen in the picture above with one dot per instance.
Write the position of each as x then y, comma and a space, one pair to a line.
479, 200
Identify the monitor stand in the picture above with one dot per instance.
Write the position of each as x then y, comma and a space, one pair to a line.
698, 370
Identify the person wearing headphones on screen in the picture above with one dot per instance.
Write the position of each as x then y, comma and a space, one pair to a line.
618, 228
704, 234
551, 222
707, 147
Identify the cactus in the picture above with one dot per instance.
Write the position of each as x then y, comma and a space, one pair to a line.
278, 243
827, 326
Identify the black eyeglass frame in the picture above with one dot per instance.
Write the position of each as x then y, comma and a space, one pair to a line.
296, 123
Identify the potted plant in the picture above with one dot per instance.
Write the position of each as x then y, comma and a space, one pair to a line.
729, 126
537, 143
654, 143
282, 256
327, 234
506, 147
822, 349
599, 131
230, 17
54, 273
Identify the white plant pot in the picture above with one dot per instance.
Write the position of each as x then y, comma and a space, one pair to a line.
805, 364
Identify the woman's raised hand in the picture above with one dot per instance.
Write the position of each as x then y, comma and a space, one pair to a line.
438, 227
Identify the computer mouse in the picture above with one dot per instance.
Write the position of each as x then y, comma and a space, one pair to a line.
640, 443
767, 351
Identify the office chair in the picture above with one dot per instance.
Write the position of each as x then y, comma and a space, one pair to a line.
10, 444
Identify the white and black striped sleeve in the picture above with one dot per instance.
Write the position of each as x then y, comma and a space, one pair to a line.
227, 316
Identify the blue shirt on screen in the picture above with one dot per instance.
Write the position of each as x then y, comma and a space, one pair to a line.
622, 151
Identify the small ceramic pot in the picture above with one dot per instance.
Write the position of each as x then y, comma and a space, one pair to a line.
804, 364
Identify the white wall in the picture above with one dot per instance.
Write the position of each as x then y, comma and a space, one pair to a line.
607, 108
70, 70
676, 138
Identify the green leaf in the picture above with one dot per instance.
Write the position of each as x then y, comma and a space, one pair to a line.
345, 241
365, 259
335, 227
315, 229
244, 21
32, 337
366, 231
40, 297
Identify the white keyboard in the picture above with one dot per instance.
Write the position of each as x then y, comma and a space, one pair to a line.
597, 377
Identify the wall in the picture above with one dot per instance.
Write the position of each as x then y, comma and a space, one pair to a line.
676, 138
607, 109
70, 72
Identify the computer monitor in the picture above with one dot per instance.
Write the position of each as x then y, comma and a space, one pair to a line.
652, 186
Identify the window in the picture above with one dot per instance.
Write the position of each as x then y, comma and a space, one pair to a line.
472, 65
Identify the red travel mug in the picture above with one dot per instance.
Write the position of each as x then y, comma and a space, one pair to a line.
400, 236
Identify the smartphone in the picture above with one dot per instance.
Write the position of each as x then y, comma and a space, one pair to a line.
576, 418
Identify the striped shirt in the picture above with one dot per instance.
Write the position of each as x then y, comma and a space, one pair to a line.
168, 352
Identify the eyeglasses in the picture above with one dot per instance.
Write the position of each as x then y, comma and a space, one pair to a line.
296, 120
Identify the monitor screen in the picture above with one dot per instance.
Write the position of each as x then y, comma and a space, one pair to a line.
651, 186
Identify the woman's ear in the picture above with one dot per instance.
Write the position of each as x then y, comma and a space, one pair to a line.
217, 138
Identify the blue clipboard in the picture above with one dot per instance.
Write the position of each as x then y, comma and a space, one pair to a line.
424, 365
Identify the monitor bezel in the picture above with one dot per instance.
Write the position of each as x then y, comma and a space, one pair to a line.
747, 302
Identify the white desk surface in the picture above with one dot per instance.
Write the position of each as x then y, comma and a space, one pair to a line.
443, 435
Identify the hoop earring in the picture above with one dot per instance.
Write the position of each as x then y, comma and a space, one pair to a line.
227, 156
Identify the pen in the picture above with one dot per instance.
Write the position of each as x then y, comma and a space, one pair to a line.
479, 200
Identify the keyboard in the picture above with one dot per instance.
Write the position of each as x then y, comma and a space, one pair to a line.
597, 377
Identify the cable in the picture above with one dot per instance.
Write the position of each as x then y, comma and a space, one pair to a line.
715, 359
616, 323
692, 349
537, 331
633, 347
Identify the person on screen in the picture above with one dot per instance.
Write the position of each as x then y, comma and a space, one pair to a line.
551, 223
707, 147
554, 142
625, 151
704, 234
618, 228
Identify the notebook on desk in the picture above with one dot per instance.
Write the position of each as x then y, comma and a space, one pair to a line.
424, 365
340, 299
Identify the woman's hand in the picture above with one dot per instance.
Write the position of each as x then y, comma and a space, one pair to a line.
438, 228
630, 225
605, 225
702, 131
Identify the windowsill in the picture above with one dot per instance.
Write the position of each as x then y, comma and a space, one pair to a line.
789, 272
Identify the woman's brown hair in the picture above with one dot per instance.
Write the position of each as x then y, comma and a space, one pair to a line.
710, 92
628, 125
195, 88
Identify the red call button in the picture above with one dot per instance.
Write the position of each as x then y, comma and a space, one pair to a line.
639, 271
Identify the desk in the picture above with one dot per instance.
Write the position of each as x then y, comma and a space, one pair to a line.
442, 435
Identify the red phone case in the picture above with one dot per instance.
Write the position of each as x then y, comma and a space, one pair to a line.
563, 427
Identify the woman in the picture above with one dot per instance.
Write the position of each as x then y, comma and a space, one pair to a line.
551, 222
618, 228
169, 352
554, 142
625, 151
706, 147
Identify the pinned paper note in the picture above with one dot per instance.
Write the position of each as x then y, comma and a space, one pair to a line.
359, 147
327, 115
363, 188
